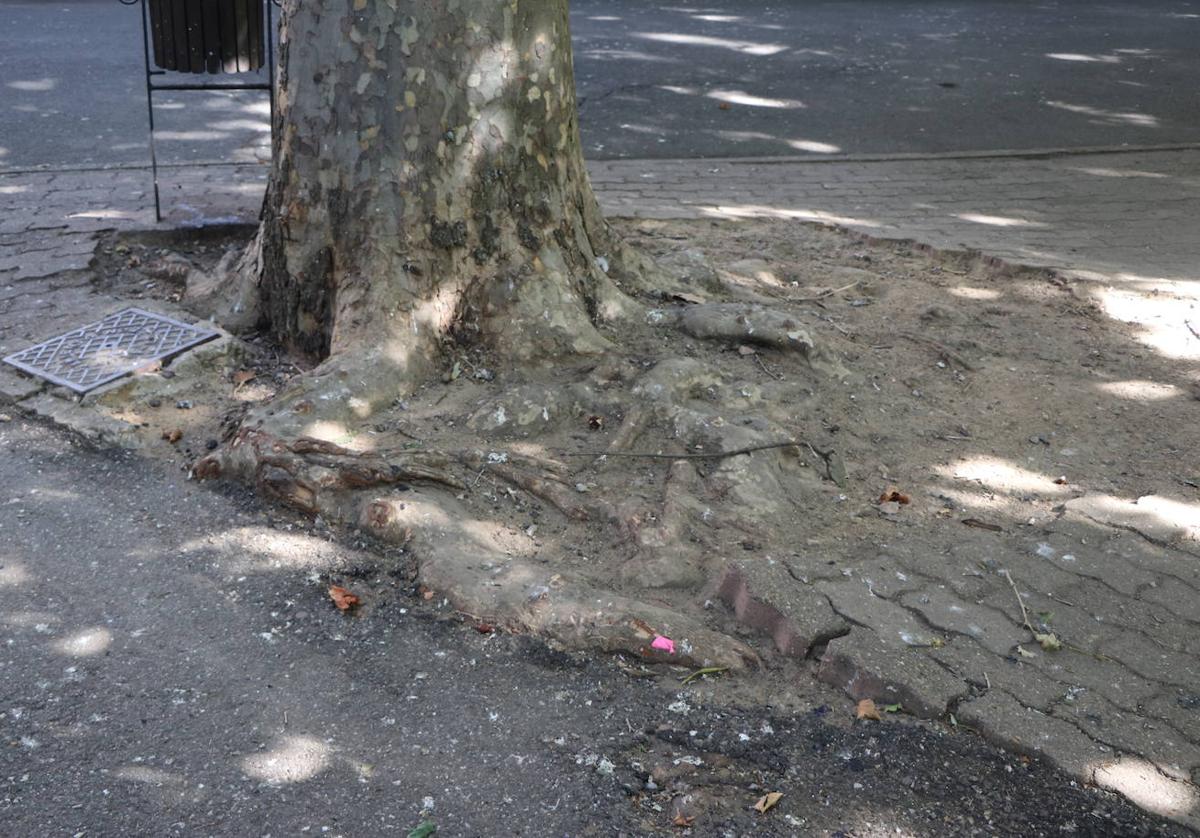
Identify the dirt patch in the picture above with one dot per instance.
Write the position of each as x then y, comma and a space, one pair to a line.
913, 430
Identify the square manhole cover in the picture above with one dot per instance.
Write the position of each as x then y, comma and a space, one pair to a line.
103, 351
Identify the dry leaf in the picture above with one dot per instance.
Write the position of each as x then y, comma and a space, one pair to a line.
173, 436
684, 820
747, 350
768, 800
485, 628
892, 494
867, 710
724, 106
243, 377
1060, 481
342, 598
426, 593
596, 423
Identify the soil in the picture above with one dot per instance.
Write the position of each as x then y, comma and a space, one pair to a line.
948, 400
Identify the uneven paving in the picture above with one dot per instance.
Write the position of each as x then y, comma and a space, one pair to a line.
1123, 578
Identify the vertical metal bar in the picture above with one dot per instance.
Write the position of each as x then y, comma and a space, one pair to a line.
271, 67
150, 108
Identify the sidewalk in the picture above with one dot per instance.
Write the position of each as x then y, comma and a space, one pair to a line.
1129, 223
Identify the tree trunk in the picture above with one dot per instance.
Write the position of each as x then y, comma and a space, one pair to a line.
429, 185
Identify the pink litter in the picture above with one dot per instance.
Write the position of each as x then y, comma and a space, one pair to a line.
664, 644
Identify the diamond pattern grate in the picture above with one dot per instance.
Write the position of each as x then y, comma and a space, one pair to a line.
100, 352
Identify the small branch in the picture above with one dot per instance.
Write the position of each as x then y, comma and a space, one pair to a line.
716, 455
823, 294
762, 364
946, 352
1020, 602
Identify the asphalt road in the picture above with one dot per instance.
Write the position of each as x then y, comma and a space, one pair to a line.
745, 78
171, 664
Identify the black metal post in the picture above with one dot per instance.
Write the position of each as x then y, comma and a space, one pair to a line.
150, 108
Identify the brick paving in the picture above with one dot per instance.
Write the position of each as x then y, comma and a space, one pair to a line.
1129, 218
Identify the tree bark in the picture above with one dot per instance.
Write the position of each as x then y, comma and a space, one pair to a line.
429, 185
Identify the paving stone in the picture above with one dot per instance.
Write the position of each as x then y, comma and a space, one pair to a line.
987, 626
865, 665
985, 670
1134, 733
765, 597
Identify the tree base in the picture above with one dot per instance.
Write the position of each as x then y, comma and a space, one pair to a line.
594, 501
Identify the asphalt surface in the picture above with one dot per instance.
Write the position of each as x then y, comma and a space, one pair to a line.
171, 664
665, 79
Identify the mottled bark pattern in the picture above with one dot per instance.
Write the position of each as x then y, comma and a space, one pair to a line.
429, 182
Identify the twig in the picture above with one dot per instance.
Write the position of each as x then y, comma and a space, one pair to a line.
762, 364
946, 352
1060, 599
987, 680
1192, 329
716, 455
825, 294
700, 673
1020, 602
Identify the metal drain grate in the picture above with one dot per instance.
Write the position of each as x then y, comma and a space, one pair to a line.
101, 352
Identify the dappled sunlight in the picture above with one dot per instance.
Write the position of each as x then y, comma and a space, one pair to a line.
746, 47
1163, 319
814, 146
85, 643
42, 85
1076, 56
999, 475
741, 97
998, 220
1145, 785
293, 759
104, 214
13, 574
968, 292
1103, 172
1156, 517
338, 434
262, 549
1140, 391
146, 774
761, 211
1139, 120
38, 620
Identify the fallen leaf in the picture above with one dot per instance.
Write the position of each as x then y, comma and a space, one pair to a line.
764, 803
724, 106
1060, 481
747, 350
867, 710
893, 708
1049, 642
596, 423
684, 820
1025, 653
173, 436
342, 598
243, 377
982, 525
893, 494
423, 830
485, 628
